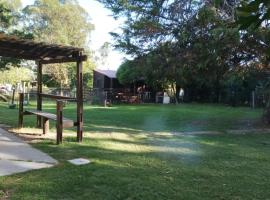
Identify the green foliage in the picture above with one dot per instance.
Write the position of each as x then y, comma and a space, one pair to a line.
102, 54
128, 73
53, 21
204, 46
189, 44
88, 68
14, 5
10, 23
6, 23
251, 14
253, 17
60, 22
5, 17
14, 75
148, 23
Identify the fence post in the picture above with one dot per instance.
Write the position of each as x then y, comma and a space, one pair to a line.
21, 100
105, 98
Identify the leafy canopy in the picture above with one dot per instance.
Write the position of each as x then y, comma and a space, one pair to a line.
13, 75
253, 13
61, 22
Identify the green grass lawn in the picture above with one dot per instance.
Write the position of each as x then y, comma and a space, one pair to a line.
136, 156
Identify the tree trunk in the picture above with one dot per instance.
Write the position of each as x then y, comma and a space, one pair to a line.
217, 91
266, 111
177, 92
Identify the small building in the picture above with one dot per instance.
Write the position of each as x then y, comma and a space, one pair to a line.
105, 80
106, 86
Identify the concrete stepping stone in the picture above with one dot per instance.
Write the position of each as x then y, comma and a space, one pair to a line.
79, 161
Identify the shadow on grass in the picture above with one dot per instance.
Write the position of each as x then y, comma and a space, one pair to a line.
226, 168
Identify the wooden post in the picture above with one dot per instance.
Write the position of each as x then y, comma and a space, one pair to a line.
105, 99
79, 102
39, 91
253, 99
13, 95
46, 125
21, 99
59, 121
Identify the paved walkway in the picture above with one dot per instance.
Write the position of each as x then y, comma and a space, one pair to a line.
18, 156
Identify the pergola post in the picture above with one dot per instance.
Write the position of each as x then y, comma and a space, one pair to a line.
79, 101
39, 92
21, 100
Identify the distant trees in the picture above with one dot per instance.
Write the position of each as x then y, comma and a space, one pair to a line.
128, 73
55, 21
251, 14
254, 20
62, 22
9, 15
9, 24
50, 21
14, 75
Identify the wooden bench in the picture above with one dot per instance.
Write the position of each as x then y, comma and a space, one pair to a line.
61, 122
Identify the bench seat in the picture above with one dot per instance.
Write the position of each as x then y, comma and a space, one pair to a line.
67, 123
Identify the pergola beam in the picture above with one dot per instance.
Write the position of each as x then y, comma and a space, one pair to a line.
16, 55
30, 50
64, 60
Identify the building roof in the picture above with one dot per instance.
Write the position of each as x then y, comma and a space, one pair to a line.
108, 73
13, 47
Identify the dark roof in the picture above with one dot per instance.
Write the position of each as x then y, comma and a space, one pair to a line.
108, 73
11, 46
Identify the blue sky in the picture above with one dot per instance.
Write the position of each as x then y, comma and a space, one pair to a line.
104, 23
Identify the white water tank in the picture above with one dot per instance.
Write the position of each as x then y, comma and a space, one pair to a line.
166, 98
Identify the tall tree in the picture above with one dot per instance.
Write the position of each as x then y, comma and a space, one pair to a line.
186, 41
254, 20
101, 56
63, 22
10, 24
149, 23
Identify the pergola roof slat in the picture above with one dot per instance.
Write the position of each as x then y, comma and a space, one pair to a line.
11, 46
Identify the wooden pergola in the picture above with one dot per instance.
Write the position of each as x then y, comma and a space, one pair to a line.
43, 53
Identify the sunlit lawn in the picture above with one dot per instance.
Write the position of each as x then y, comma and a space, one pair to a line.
137, 152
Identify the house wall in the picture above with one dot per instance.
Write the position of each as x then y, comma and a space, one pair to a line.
98, 80
107, 82
101, 81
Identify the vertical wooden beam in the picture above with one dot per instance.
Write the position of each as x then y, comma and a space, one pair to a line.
59, 121
111, 84
39, 91
21, 100
79, 102
46, 125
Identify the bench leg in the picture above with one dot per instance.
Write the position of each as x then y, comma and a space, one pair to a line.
38, 123
59, 134
46, 125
